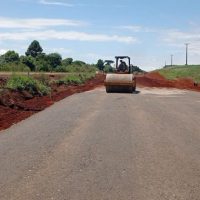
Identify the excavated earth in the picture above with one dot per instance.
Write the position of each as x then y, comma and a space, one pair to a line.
154, 79
16, 106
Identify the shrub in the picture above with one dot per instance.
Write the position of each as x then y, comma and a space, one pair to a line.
28, 61
84, 68
54, 60
60, 69
42, 67
43, 89
67, 61
76, 78
43, 78
78, 63
70, 79
108, 69
11, 56
100, 64
19, 82
14, 67
86, 76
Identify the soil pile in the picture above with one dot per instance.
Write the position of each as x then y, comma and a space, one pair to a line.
154, 79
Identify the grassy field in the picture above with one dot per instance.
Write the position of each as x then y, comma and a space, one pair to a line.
190, 71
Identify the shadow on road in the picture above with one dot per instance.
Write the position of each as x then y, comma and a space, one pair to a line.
136, 92
125, 92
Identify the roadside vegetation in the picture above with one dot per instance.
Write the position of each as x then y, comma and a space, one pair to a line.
181, 71
44, 84
29, 84
35, 60
75, 78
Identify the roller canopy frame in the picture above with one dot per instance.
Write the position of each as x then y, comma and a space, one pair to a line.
122, 58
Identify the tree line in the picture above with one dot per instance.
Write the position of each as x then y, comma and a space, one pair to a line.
36, 60
107, 67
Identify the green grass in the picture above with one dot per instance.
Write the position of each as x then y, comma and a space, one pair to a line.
190, 71
76, 69
76, 79
20, 83
14, 67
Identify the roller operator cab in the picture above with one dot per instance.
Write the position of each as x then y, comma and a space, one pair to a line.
123, 79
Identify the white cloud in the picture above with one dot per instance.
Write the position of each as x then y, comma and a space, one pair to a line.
95, 56
55, 3
2, 51
37, 23
137, 28
176, 35
65, 35
59, 50
178, 39
132, 28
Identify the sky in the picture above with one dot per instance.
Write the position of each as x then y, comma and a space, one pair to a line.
149, 31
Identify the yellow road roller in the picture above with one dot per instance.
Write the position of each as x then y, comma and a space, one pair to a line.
122, 80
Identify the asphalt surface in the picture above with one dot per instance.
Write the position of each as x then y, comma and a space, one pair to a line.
98, 146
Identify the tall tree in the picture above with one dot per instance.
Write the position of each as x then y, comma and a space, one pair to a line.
100, 65
34, 49
28, 61
78, 63
67, 61
54, 60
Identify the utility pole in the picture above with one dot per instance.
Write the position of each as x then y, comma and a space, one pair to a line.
186, 44
172, 60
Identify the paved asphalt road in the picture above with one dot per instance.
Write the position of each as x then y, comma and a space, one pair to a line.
98, 146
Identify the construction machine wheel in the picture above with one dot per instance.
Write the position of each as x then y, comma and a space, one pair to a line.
119, 89
121, 83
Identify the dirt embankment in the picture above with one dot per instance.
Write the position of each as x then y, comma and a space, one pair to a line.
154, 79
16, 106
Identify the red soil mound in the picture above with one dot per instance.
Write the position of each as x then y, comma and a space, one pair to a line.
16, 106
154, 79
10, 116
155, 75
